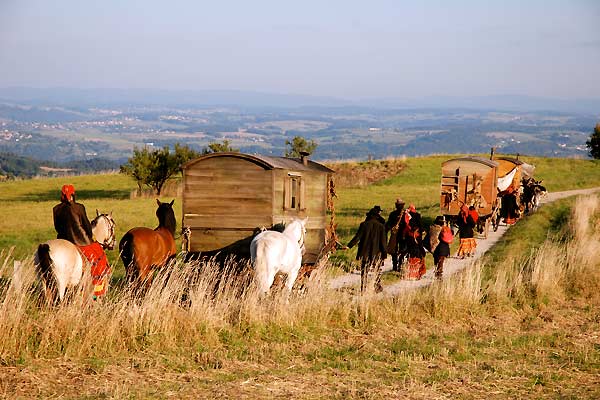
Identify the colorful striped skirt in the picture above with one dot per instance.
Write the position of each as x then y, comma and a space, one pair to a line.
416, 268
467, 247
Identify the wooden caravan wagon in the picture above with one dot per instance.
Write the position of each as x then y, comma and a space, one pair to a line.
470, 181
511, 172
228, 197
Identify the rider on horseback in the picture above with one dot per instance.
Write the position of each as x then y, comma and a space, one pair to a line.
70, 219
72, 224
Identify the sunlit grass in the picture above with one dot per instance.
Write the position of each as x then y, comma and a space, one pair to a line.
525, 331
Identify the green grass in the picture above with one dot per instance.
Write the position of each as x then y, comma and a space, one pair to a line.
421, 345
27, 209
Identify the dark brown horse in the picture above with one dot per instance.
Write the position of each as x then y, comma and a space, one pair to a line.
144, 249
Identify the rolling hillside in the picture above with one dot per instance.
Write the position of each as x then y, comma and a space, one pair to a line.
524, 324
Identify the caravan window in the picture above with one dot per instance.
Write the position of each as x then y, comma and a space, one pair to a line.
294, 193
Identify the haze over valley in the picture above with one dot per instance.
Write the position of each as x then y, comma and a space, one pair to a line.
65, 125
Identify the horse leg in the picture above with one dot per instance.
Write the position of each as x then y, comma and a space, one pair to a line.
291, 279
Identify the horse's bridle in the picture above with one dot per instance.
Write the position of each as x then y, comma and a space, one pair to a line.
302, 239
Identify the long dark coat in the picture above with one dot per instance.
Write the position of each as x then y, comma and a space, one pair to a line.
72, 224
371, 240
465, 228
508, 206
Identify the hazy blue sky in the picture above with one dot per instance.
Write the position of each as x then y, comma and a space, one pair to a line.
346, 48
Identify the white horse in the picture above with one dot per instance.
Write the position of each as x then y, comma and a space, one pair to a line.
59, 262
272, 252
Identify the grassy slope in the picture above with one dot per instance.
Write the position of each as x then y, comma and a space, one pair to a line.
544, 349
27, 208
526, 346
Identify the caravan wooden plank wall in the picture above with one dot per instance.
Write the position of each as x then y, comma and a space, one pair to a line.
227, 196
466, 179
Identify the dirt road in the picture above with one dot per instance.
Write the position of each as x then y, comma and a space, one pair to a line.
452, 265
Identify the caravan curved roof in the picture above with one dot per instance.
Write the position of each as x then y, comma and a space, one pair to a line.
266, 162
481, 160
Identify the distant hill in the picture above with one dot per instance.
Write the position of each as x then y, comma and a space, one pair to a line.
14, 166
106, 97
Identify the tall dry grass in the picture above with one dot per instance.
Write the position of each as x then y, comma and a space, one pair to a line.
184, 309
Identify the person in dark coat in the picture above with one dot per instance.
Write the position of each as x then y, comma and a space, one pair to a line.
414, 244
70, 219
377, 211
371, 248
394, 225
509, 209
442, 250
466, 224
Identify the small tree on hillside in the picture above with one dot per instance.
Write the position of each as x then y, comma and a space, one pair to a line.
594, 143
298, 145
139, 166
216, 147
155, 168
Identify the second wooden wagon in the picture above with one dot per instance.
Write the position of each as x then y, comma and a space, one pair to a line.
470, 181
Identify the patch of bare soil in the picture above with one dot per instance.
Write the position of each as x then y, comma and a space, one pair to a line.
354, 174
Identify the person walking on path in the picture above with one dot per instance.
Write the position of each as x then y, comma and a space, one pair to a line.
371, 249
466, 224
438, 241
509, 209
377, 211
395, 227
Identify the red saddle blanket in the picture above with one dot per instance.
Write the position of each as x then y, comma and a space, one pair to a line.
100, 269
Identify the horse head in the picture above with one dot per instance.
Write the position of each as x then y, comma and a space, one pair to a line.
166, 216
297, 231
103, 228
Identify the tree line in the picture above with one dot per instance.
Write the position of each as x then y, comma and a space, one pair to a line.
152, 168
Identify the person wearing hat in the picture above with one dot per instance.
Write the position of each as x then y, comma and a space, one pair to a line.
371, 248
377, 211
395, 225
70, 219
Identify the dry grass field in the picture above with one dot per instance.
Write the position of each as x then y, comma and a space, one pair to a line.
523, 323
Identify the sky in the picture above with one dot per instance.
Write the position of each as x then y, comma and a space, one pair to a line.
348, 49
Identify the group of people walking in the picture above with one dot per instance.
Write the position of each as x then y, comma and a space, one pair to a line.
404, 237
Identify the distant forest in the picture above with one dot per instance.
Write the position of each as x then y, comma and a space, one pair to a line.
13, 166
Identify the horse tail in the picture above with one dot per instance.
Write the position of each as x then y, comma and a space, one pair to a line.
44, 269
126, 252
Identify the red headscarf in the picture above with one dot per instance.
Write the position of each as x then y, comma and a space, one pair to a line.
66, 192
464, 212
474, 214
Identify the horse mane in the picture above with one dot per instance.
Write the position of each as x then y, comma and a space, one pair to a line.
166, 218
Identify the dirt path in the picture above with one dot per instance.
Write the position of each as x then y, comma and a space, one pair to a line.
452, 265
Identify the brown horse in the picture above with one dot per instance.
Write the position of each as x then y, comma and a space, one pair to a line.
144, 249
